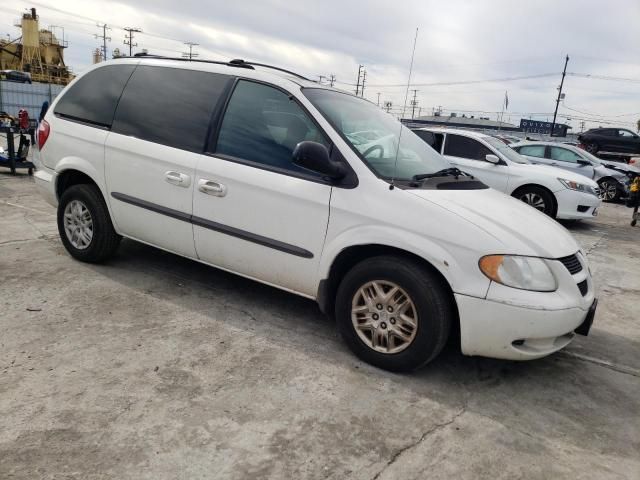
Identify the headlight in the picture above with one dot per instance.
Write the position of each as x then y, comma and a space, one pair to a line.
578, 187
525, 273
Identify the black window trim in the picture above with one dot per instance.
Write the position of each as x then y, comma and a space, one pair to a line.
348, 182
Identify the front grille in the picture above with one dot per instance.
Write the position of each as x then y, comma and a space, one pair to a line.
584, 287
572, 263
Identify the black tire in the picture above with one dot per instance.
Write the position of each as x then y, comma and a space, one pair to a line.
533, 195
105, 240
606, 186
592, 148
433, 303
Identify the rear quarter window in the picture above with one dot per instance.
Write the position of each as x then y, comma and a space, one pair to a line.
170, 106
94, 97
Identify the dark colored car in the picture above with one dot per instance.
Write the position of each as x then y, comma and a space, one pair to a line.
615, 140
15, 76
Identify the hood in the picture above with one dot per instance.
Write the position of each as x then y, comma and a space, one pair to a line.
621, 167
603, 171
525, 169
521, 229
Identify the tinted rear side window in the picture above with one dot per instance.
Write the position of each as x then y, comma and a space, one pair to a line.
93, 98
169, 106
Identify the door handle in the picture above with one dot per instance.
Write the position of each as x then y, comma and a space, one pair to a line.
212, 188
177, 178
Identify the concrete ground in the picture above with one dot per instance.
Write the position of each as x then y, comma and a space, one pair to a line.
157, 367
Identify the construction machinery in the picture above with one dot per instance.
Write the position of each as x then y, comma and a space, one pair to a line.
37, 51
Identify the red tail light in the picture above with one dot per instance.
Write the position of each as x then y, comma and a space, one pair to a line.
43, 133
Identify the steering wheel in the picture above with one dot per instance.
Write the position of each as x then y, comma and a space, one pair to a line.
372, 149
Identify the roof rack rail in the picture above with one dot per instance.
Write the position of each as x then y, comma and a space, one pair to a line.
239, 64
236, 62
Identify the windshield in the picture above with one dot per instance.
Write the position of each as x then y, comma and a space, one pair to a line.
374, 134
588, 156
505, 150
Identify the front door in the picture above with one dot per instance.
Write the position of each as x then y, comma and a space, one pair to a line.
469, 155
564, 158
255, 212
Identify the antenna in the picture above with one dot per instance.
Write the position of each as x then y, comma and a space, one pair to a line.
404, 107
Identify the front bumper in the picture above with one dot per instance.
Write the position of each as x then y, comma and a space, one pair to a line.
517, 324
573, 205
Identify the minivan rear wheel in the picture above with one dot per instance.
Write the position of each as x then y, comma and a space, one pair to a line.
84, 224
538, 198
394, 313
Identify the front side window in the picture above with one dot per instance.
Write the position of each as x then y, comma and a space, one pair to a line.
465, 147
625, 133
263, 125
532, 150
169, 106
94, 97
564, 155
389, 148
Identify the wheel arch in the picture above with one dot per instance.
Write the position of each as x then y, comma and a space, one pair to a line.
352, 255
541, 187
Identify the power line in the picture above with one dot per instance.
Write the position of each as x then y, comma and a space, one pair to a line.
603, 77
460, 82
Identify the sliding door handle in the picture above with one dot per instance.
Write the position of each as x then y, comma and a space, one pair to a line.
212, 188
177, 178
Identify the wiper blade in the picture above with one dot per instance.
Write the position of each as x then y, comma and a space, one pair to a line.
447, 172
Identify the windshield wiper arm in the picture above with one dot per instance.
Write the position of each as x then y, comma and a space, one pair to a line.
447, 172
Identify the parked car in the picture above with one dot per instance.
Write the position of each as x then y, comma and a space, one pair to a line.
315, 191
15, 76
613, 184
557, 193
613, 140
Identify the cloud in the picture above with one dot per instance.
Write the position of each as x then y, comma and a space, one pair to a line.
458, 40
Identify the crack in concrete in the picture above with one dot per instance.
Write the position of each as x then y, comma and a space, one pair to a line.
422, 438
596, 244
602, 363
20, 240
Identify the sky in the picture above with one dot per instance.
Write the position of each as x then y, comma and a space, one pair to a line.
468, 54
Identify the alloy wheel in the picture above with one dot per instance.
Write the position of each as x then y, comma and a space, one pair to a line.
78, 224
384, 316
535, 200
608, 191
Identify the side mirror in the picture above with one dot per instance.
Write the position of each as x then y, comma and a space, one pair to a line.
491, 158
584, 162
315, 157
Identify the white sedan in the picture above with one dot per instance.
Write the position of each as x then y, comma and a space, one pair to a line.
556, 192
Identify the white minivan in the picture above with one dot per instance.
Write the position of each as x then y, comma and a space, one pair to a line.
266, 174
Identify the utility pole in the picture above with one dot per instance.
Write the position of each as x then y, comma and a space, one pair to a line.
364, 77
360, 67
414, 104
190, 55
555, 113
332, 80
128, 38
378, 98
104, 39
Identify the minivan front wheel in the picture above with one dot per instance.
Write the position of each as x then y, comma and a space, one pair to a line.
537, 198
394, 313
84, 224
